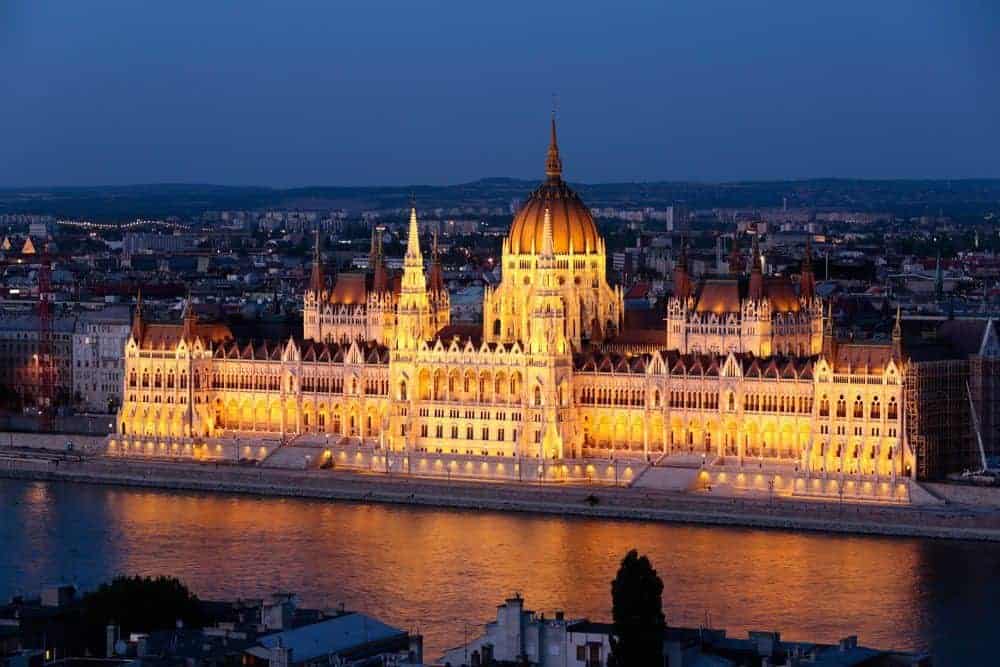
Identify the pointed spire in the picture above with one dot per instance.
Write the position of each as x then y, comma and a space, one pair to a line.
807, 283
316, 280
137, 323
682, 281
190, 318
828, 341
553, 163
436, 277
413, 254
380, 283
756, 279
897, 328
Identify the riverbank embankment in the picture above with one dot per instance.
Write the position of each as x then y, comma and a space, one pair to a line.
948, 522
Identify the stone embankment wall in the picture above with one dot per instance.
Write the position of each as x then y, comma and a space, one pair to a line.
56, 442
578, 500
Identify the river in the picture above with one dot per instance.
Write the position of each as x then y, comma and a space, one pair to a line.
429, 570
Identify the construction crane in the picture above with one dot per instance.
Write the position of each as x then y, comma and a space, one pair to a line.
46, 356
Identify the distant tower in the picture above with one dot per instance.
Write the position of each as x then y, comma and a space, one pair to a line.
938, 279
46, 357
735, 259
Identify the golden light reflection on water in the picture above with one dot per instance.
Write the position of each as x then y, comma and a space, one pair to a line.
429, 570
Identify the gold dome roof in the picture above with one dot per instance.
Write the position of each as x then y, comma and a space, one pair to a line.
572, 223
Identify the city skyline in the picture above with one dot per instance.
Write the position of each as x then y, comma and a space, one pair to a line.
116, 94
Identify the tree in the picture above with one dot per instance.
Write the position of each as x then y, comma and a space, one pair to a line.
139, 604
637, 614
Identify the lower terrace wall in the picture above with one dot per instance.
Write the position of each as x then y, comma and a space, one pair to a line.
373, 459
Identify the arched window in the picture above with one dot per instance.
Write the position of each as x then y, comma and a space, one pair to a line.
145, 379
184, 380
824, 407
732, 402
893, 412
876, 409
402, 391
131, 379
538, 396
859, 408
841, 407
496, 327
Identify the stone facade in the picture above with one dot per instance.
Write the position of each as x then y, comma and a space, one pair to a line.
747, 373
98, 366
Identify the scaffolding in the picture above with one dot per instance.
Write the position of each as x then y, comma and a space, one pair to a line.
938, 417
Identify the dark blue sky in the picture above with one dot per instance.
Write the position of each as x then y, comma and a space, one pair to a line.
374, 92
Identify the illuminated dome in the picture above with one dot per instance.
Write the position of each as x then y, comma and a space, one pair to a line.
572, 224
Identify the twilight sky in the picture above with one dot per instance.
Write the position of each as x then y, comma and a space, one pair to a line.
338, 92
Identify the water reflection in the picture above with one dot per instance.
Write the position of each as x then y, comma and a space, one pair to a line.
428, 570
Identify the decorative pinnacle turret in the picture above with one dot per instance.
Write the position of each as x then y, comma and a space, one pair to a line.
553, 163
548, 243
897, 328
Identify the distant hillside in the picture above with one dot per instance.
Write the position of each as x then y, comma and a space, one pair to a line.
905, 197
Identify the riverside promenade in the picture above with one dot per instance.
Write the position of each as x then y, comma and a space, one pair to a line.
945, 521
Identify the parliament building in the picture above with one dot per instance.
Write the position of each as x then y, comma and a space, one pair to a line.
744, 372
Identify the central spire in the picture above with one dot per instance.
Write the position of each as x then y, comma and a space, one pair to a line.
553, 163
413, 255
